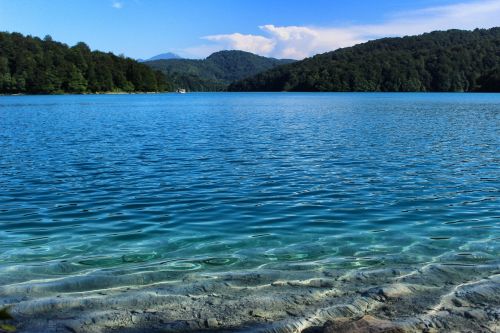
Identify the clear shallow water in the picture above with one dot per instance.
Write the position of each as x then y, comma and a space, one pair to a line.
227, 182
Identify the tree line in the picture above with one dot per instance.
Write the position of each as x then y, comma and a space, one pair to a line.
42, 66
447, 61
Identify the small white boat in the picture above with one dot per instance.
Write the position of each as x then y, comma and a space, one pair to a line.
181, 91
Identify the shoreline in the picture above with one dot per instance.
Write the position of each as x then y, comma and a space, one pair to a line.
261, 92
98, 93
427, 298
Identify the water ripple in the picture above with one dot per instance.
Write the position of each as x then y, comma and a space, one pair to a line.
226, 182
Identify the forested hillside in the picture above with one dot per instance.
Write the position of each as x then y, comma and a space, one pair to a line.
216, 72
449, 61
35, 66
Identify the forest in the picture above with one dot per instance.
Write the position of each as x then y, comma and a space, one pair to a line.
30, 65
442, 61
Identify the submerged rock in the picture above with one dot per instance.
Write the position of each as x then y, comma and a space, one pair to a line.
259, 313
211, 323
367, 324
395, 291
413, 301
475, 314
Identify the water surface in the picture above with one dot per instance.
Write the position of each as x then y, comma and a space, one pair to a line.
214, 183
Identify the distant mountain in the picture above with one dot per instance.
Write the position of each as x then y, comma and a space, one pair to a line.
163, 56
216, 72
451, 60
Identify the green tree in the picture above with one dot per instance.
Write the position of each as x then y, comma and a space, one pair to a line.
76, 81
43, 66
451, 60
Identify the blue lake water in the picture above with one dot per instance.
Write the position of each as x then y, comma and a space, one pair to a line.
229, 182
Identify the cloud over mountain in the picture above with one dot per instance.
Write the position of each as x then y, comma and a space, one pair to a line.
298, 42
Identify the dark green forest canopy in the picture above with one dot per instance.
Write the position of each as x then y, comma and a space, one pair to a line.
35, 66
216, 72
448, 61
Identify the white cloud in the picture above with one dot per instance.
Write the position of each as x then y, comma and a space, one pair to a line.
298, 42
117, 5
252, 43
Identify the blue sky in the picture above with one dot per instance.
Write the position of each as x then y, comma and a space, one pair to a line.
196, 28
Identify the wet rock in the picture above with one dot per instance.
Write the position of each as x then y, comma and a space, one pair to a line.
279, 283
367, 324
475, 315
313, 329
259, 313
415, 302
70, 329
321, 283
211, 323
395, 291
292, 313
193, 324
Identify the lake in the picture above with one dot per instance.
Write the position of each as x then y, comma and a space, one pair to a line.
133, 203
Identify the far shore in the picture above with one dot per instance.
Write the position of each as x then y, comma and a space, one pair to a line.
97, 93
256, 92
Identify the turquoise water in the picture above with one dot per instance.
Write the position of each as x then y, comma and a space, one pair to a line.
134, 184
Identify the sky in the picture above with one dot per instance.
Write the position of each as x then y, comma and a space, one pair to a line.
277, 28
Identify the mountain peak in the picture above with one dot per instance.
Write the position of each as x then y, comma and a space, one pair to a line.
163, 56
240, 53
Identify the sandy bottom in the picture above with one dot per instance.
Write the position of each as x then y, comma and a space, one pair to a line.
430, 298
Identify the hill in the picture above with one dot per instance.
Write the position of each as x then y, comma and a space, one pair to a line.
163, 56
216, 72
445, 61
35, 66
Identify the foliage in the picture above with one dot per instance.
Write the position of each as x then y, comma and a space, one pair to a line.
450, 61
35, 66
490, 82
216, 72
